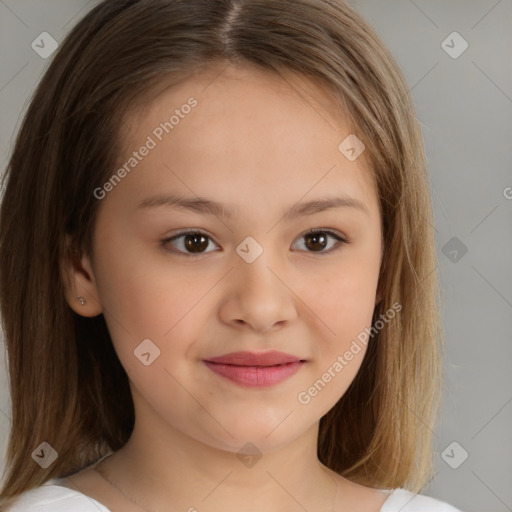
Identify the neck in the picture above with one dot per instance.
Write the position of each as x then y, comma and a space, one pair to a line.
176, 472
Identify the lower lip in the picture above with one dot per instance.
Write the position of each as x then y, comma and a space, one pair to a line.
255, 376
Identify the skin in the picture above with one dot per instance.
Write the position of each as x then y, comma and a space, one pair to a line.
260, 144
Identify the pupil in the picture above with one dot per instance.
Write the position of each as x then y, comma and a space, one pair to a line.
190, 242
311, 241
316, 238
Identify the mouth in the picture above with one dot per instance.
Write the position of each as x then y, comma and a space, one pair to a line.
250, 369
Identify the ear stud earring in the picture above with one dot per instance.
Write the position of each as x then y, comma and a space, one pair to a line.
81, 300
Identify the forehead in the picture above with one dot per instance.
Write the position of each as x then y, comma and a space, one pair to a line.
250, 130
219, 80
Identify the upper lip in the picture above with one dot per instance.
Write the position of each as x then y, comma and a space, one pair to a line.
270, 358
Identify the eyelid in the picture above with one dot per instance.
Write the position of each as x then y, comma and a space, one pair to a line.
330, 231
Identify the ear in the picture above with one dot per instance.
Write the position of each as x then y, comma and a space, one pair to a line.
79, 281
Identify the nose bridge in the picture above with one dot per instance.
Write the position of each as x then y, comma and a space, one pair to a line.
260, 297
255, 261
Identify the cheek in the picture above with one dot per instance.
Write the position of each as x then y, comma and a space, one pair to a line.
343, 301
343, 304
143, 300
153, 320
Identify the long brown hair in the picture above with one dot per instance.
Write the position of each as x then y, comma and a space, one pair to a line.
67, 385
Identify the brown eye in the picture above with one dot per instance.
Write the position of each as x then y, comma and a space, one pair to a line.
188, 243
316, 240
196, 242
193, 243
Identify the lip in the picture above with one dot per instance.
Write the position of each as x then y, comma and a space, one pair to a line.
269, 358
251, 369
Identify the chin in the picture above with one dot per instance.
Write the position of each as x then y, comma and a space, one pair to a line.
260, 436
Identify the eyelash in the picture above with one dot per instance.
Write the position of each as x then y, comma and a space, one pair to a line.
336, 247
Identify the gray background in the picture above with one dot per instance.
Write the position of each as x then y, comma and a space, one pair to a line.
464, 105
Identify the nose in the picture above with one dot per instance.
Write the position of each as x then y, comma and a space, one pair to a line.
259, 296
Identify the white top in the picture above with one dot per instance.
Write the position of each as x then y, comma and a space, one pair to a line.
52, 497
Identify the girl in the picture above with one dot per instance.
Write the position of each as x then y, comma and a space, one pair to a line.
217, 267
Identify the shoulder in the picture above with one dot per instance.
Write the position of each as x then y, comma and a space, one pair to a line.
406, 501
51, 497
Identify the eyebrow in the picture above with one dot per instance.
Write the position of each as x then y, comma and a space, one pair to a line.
207, 206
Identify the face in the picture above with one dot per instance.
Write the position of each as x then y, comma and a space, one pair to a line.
180, 287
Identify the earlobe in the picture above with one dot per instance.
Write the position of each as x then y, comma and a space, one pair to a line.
79, 282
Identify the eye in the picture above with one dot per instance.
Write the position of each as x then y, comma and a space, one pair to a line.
192, 243
317, 239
